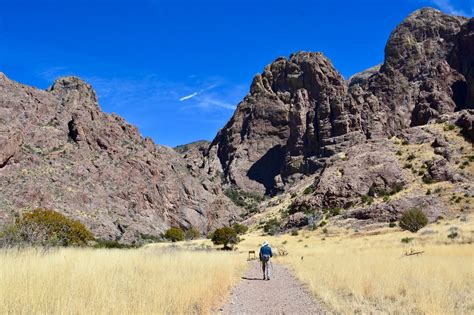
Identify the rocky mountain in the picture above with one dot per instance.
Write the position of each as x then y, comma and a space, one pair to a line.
300, 111
371, 145
59, 151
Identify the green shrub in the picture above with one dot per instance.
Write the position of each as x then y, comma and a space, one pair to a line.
323, 223
240, 228
192, 233
110, 244
407, 240
325, 231
335, 211
244, 199
51, 228
392, 225
411, 157
300, 206
294, 232
272, 226
449, 127
427, 179
413, 220
225, 236
453, 234
428, 192
308, 190
367, 199
174, 234
405, 142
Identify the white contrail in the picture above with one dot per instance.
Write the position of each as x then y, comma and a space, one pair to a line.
188, 97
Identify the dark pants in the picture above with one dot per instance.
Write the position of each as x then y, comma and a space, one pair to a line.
266, 269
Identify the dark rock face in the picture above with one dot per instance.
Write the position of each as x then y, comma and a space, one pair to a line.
300, 111
58, 150
295, 110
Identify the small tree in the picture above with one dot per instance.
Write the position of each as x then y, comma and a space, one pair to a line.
192, 233
225, 236
240, 228
174, 234
47, 227
413, 220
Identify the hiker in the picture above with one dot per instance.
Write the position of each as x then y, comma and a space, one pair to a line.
265, 255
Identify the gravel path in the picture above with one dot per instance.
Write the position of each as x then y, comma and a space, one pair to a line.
283, 294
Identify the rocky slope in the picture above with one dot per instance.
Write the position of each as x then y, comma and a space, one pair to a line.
58, 150
300, 111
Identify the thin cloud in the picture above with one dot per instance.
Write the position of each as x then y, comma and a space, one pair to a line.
188, 96
449, 7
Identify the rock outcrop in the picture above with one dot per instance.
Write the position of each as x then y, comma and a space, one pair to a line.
300, 110
60, 151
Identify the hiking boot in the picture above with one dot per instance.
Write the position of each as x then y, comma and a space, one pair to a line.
268, 278
264, 278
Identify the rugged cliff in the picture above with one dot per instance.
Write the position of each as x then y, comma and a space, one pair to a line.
60, 151
300, 110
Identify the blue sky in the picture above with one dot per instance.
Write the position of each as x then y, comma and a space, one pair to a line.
177, 69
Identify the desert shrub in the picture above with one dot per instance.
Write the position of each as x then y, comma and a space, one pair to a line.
453, 233
294, 232
300, 206
308, 190
174, 234
408, 165
413, 220
272, 226
411, 157
392, 225
110, 244
48, 228
334, 211
405, 142
225, 236
325, 231
428, 192
244, 199
399, 153
367, 199
427, 179
240, 228
192, 233
323, 223
407, 240
449, 127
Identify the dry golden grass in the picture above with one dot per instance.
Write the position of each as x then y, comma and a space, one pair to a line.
141, 281
352, 272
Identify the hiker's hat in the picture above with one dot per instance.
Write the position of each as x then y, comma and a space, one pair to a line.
265, 243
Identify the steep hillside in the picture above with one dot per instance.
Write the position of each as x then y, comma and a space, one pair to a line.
58, 150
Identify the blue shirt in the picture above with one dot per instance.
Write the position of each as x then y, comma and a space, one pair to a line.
266, 250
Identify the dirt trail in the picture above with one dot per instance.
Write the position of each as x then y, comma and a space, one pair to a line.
283, 294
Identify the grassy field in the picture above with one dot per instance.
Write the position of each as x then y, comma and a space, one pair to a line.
349, 271
138, 281
369, 272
